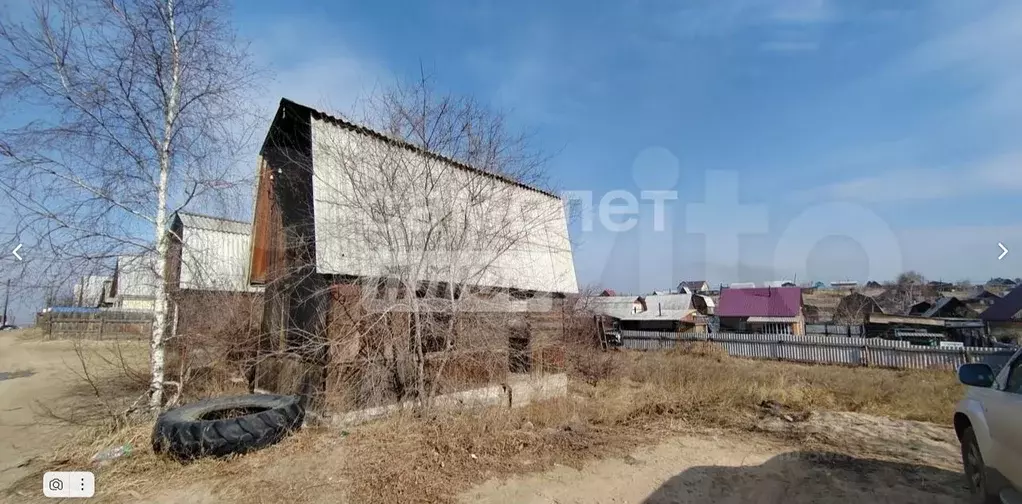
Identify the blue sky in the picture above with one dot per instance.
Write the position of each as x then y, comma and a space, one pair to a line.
892, 126
842, 139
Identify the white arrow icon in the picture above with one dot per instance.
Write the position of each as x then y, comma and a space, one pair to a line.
1004, 251
15, 251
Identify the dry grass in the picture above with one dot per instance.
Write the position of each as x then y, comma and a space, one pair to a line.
617, 401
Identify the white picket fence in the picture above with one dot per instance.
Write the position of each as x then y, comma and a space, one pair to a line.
825, 349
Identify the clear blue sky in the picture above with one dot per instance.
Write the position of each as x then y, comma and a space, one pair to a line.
842, 139
894, 124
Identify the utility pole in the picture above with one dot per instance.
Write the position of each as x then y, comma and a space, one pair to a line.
7, 297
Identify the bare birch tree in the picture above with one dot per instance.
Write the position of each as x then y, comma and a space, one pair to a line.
436, 244
124, 111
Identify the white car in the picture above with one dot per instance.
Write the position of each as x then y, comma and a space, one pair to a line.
988, 421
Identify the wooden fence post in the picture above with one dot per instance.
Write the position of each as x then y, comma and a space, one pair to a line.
101, 324
864, 360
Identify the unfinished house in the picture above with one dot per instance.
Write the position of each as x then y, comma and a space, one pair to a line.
394, 273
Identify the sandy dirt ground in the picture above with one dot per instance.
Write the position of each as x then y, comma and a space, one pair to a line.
878, 460
38, 379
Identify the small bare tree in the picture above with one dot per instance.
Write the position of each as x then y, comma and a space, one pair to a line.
127, 110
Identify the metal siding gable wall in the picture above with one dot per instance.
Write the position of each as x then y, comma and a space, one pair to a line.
348, 241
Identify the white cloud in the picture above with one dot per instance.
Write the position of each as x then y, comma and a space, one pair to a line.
981, 52
996, 176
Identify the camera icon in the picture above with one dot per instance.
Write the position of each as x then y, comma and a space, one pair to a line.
69, 484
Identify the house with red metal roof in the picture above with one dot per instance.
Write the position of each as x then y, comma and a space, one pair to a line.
770, 310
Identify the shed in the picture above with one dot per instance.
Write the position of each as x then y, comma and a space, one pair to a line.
349, 222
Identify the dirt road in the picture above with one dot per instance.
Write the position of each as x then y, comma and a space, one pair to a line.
40, 379
918, 464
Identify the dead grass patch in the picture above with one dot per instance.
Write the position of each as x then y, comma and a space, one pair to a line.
623, 400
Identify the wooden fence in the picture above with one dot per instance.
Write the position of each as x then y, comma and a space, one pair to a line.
825, 349
105, 324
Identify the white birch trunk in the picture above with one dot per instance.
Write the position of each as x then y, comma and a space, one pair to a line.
157, 356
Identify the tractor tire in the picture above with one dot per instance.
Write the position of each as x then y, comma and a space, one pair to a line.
223, 426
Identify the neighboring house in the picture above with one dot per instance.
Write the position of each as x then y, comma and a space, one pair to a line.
92, 291
920, 308
949, 307
318, 251
762, 310
135, 282
666, 312
1004, 316
873, 284
855, 308
207, 274
608, 292
694, 286
981, 297
614, 306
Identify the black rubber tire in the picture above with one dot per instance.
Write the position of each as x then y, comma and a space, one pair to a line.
975, 469
184, 434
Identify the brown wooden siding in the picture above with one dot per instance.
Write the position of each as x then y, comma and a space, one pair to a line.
263, 227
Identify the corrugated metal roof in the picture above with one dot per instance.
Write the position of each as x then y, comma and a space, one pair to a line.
518, 235
669, 302
214, 254
210, 223
612, 306
761, 302
323, 116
